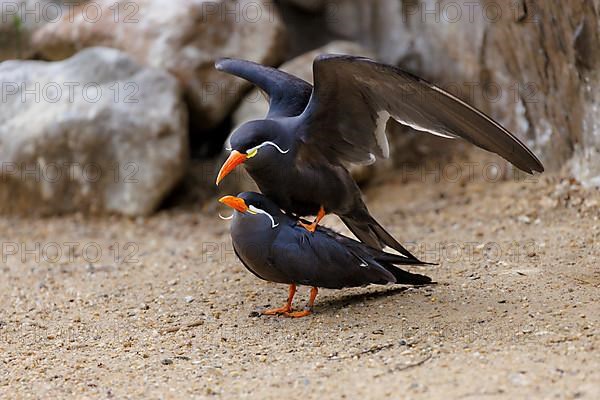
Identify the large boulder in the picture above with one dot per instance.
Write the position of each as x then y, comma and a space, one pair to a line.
94, 133
185, 37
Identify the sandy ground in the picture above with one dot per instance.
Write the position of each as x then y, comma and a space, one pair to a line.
159, 307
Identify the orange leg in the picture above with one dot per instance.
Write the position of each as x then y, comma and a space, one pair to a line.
313, 227
287, 307
308, 310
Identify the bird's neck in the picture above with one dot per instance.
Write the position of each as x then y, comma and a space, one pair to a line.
273, 173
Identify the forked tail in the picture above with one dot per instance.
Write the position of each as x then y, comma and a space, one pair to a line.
368, 231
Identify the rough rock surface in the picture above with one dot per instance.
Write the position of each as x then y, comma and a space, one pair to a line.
184, 37
20, 19
532, 64
94, 133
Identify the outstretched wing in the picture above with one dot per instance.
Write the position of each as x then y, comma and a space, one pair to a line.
354, 97
288, 94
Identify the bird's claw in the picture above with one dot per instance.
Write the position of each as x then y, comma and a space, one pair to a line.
298, 314
278, 311
312, 227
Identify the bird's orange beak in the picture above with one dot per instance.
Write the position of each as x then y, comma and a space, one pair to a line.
235, 159
235, 203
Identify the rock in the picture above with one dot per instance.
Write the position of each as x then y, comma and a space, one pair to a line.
376, 24
306, 26
524, 219
96, 133
19, 20
185, 37
518, 378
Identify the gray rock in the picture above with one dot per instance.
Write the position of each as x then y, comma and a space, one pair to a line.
19, 19
183, 37
94, 133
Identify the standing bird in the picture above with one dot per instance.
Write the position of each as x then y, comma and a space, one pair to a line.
275, 248
298, 154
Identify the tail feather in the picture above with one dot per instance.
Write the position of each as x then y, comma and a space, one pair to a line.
368, 231
407, 278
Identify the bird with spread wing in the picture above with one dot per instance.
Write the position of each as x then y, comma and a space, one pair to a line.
298, 154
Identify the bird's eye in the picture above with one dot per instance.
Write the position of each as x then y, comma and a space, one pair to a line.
252, 152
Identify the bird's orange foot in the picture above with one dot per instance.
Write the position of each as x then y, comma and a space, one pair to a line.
278, 311
298, 314
312, 227
287, 307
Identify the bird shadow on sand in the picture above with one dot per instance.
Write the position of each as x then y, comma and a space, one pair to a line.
334, 304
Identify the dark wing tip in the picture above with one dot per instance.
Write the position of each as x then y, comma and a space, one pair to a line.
345, 57
532, 164
428, 263
220, 64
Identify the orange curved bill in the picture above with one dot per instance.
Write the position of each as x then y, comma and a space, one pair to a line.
234, 202
235, 159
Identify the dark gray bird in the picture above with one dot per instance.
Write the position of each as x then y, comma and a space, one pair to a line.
298, 154
275, 248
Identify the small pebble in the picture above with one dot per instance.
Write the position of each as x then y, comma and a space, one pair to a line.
524, 219
166, 361
188, 299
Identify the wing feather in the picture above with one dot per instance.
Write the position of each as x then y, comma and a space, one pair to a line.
344, 118
288, 94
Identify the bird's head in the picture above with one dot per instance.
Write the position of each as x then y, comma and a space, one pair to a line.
254, 205
256, 144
